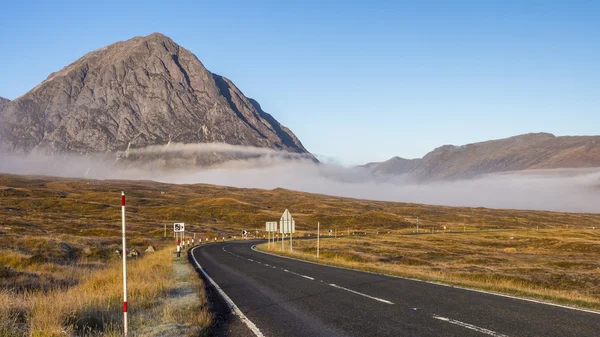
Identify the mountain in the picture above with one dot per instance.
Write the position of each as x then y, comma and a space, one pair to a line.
396, 165
132, 94
3, 102
523, 152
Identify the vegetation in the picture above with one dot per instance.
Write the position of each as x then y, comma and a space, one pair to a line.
60, 275
60, 266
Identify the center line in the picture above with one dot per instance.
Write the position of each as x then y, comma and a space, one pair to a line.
291, 272
469, 326
361, 294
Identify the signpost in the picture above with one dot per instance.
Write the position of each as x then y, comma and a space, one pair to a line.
271, 228
287, 225
179, 230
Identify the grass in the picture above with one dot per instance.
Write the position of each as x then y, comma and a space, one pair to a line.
94, 306
59, 273
556, 265
58, 239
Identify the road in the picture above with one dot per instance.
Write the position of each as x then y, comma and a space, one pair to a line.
286, 297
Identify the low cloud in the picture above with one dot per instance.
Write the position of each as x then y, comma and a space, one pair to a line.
558, 190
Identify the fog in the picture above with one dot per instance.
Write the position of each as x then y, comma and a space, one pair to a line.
560, 190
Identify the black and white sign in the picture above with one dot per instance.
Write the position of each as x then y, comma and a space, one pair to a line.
179, 227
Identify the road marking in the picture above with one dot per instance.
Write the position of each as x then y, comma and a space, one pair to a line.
230, 303
469, 326
437, 284
291, 272
361, 294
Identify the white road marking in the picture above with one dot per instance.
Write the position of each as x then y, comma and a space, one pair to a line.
470, 326
438, 284
361, 294
227, 299
291, 272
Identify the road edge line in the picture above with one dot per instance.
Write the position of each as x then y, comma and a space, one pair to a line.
229, 301
438, 283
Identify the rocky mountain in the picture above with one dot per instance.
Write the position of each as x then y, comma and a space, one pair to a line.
524, 152
3, 102
132, 94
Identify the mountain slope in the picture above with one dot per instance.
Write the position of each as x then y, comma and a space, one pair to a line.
144, 91
524, 152
3, 102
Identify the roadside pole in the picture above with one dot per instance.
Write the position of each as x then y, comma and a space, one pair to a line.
318, 237
165, 230
417, 224
124, 266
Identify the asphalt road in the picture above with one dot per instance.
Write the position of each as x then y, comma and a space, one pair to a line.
285, 297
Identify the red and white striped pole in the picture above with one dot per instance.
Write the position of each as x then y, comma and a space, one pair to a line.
124, 267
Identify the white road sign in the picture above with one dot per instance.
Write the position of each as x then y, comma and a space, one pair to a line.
179, 227
287, 223
271, 226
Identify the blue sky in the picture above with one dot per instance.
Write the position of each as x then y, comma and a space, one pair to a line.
357, 82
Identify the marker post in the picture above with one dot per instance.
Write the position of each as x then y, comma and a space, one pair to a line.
124, 266
318, 237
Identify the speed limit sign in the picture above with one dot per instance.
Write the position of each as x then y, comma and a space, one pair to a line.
179, 227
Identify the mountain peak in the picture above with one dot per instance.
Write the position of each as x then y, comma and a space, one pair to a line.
144, 91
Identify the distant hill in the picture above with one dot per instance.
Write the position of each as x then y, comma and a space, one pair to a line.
393, 166
523, 152
132, 94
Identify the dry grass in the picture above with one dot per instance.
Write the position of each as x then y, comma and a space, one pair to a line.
58, 237
557, 265
59, 274
94, 306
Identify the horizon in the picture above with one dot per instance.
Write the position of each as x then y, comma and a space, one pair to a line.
453, 74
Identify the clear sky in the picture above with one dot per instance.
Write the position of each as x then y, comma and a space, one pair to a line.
357, 82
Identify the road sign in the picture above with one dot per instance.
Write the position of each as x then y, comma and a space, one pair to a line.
179, 227
271, 226
287, 223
